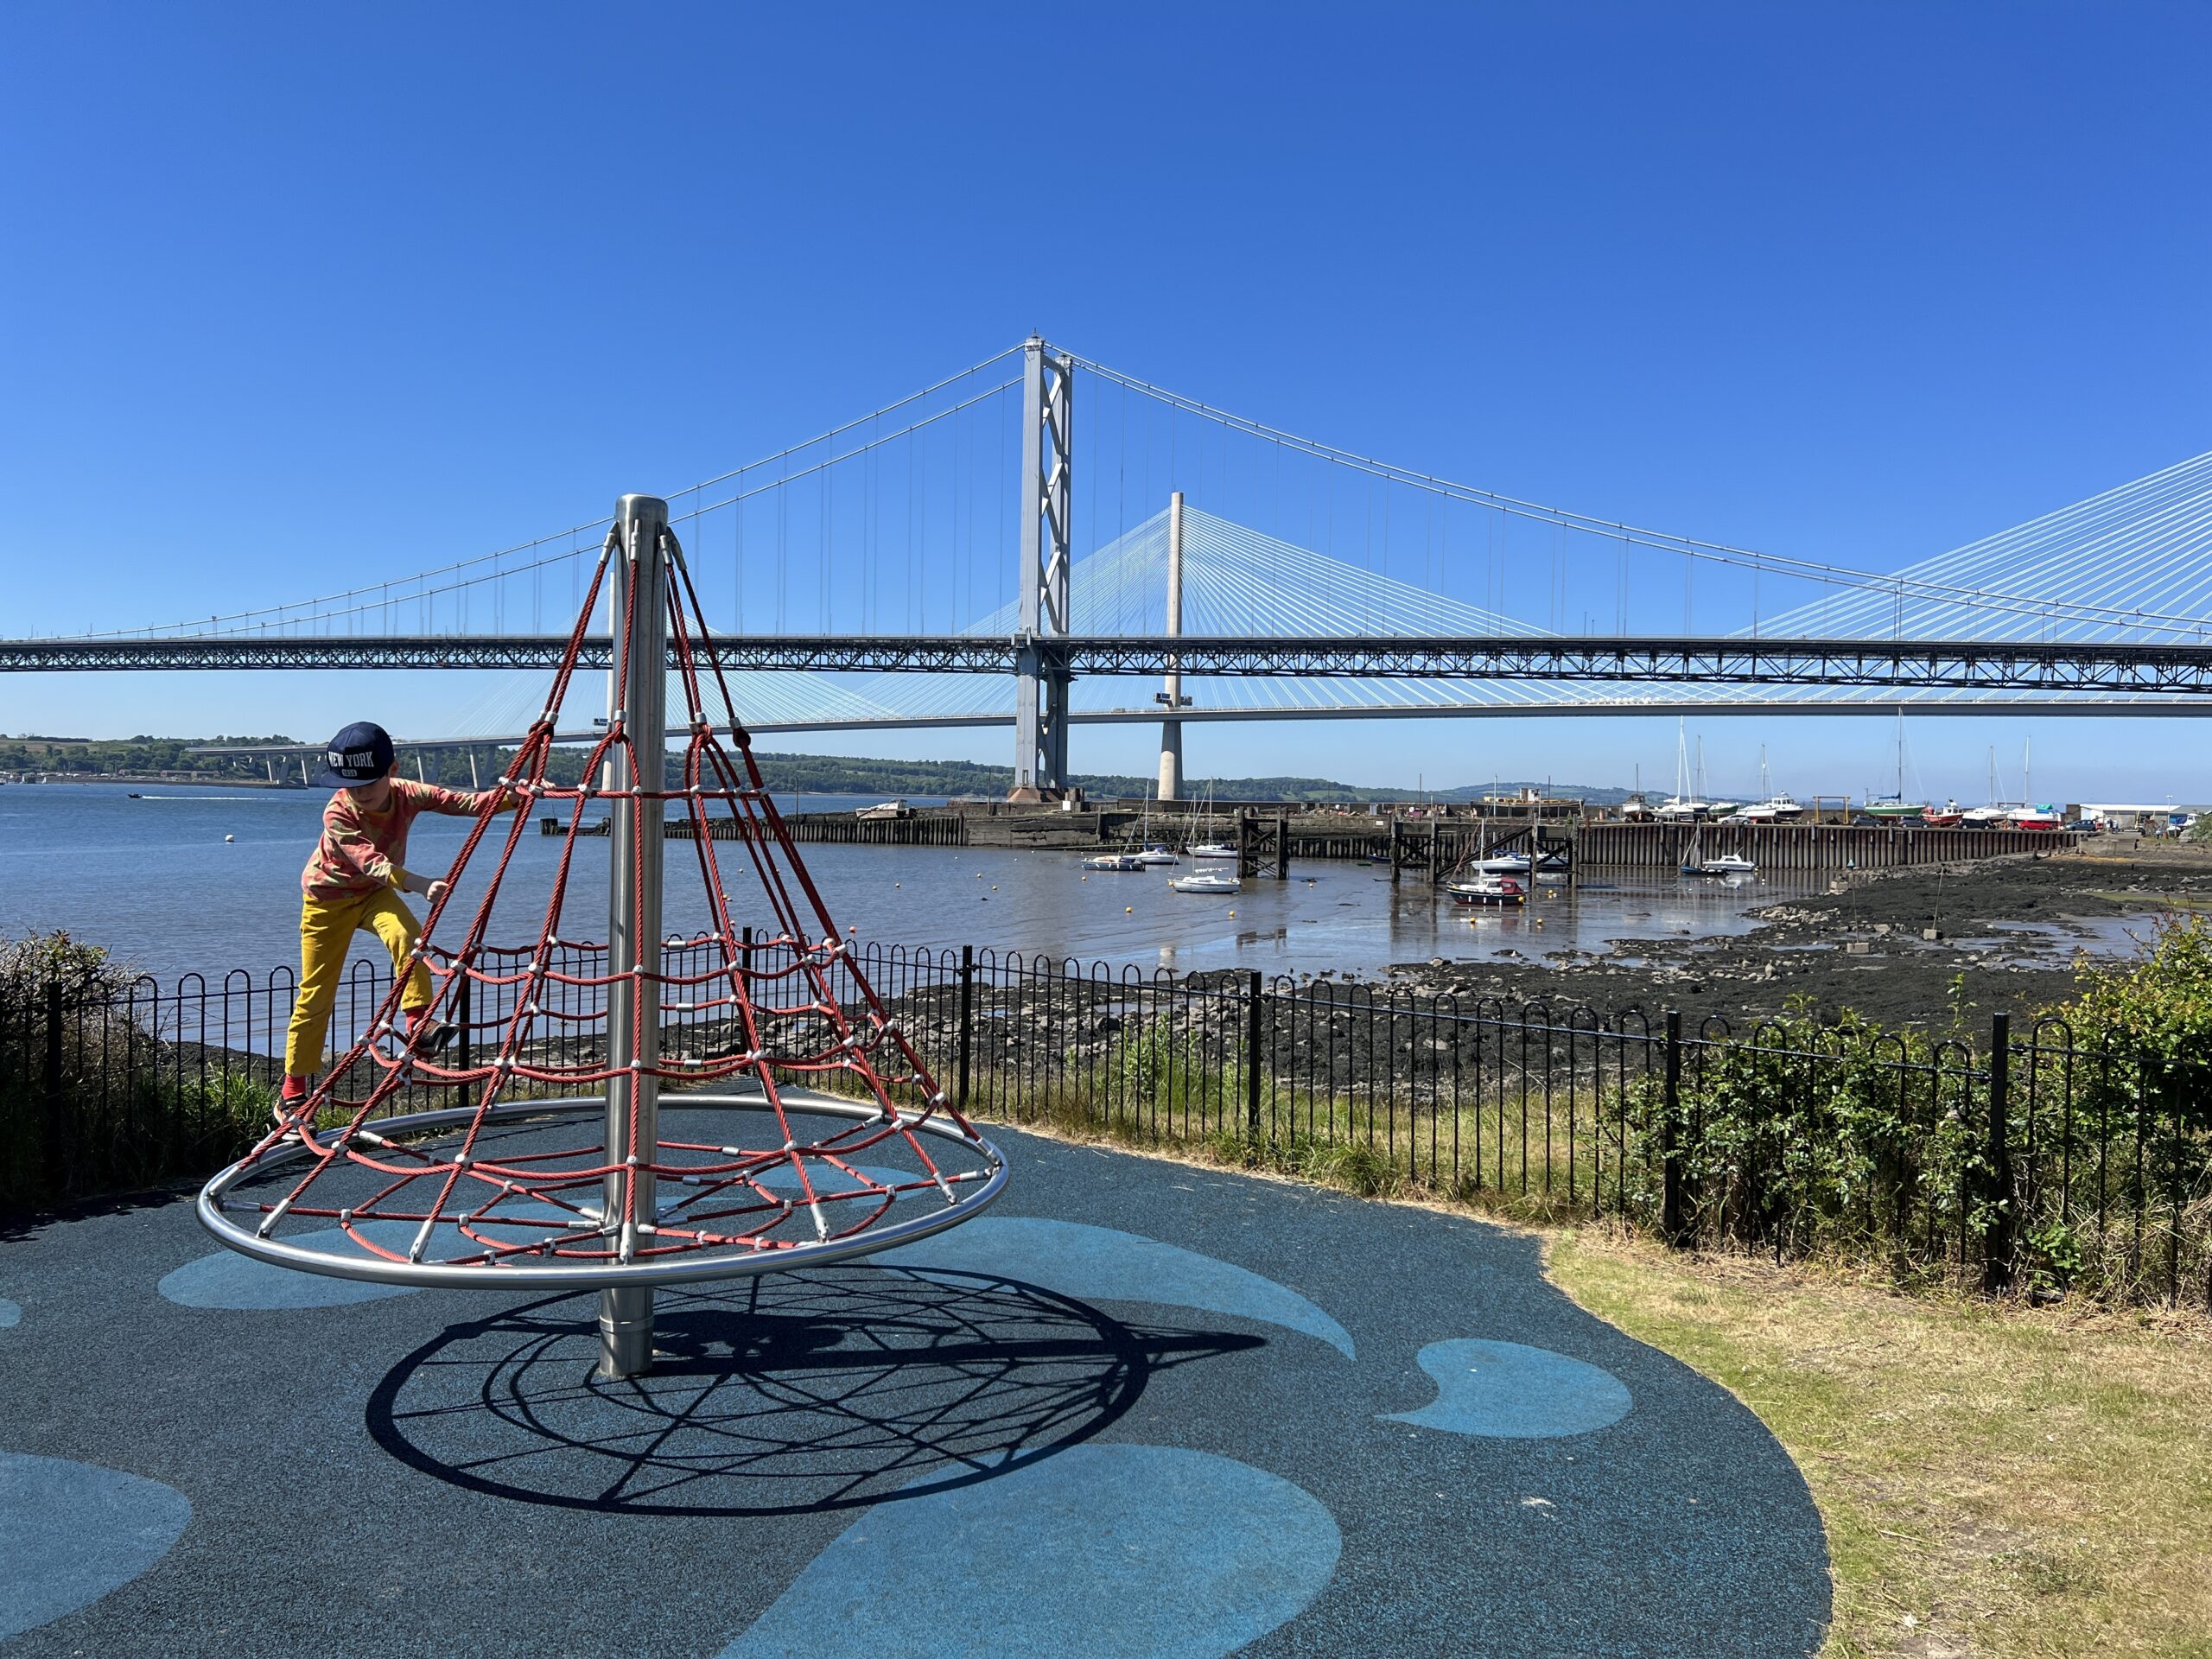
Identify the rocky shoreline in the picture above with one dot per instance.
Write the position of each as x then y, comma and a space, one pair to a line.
1900, 946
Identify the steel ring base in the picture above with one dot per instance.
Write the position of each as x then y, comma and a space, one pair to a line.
699, 1265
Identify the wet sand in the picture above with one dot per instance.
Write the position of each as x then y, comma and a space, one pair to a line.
1887, 945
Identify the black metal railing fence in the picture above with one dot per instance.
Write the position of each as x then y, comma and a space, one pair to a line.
2041, 1159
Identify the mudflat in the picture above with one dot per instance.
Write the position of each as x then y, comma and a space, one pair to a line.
1904, 947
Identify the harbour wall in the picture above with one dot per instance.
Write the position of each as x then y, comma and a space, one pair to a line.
1433, 845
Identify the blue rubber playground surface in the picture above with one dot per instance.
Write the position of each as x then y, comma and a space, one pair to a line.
1135, 1409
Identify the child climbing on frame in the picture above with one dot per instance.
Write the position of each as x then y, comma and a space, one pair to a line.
352, 882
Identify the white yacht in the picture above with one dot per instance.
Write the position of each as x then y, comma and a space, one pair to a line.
1207, 881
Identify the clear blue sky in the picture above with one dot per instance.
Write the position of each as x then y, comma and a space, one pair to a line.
297, 296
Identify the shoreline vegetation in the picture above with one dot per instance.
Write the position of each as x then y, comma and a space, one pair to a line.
170, 760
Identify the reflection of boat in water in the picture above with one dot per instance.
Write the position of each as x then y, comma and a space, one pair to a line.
1207, 881
1114, 862
1487, 888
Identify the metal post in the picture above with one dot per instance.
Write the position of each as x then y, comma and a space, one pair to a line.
967, 1020
1047, 551
1252, 1045
1996, 1192
1282, 849
57, 1120
638, 690
1170, 729
1670, 1201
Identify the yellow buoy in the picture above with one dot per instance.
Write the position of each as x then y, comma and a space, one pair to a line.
1232, 914
1128, 910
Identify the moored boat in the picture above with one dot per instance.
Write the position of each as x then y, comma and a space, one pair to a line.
1722, 864
1207, 881
1487, 888
1117, 861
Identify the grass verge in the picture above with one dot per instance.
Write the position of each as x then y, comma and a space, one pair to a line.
1996, 1480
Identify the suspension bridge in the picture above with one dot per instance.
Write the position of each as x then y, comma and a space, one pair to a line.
972, 554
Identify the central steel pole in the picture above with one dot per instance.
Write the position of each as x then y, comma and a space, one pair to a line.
637, 694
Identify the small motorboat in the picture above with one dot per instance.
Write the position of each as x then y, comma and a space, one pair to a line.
1123, 861
1155, 855
1213, 850
1726, 864
1207, 881
1487, 887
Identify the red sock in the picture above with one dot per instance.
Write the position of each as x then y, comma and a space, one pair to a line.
415, 1019
295, 1089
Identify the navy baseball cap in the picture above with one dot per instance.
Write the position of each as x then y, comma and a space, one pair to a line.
359, 755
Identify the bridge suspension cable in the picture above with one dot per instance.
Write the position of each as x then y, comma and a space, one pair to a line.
1921, 583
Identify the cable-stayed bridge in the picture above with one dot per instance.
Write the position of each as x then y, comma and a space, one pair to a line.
935, 563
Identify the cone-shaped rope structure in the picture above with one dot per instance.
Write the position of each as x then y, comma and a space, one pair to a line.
853, 1146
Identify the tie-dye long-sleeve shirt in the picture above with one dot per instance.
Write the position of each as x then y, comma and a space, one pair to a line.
362, 851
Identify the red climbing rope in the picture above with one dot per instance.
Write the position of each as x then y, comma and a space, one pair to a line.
774, 1009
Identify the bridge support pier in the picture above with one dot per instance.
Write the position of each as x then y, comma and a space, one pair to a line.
1041, 680
1170, 729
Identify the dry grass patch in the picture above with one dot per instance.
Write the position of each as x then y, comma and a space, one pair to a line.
1995, 1480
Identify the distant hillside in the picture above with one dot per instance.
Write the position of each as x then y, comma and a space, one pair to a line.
813, 774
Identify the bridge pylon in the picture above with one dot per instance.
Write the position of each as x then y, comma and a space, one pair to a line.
1047, 552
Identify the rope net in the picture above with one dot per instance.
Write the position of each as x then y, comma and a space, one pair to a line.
781, 1017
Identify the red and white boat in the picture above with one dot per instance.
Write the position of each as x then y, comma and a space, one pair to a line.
1487, 888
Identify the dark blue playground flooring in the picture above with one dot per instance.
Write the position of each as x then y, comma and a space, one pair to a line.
1137, 1409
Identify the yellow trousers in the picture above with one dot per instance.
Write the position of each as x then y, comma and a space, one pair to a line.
326, 930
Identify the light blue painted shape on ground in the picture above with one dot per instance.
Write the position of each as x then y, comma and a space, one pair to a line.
9, 1313
71, 1532
1099, 1263
1111, 1552
239, 1283
1505, 1390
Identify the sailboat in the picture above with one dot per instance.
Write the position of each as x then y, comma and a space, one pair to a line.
1149, 851
1993, 813
1713, 809
1683, 806
1209, 848
2029, 815
1895, 809
1774, 807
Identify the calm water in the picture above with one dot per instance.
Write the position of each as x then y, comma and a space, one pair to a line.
156, 881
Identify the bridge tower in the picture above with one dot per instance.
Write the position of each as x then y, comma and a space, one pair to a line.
1040, 709
1170, 729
